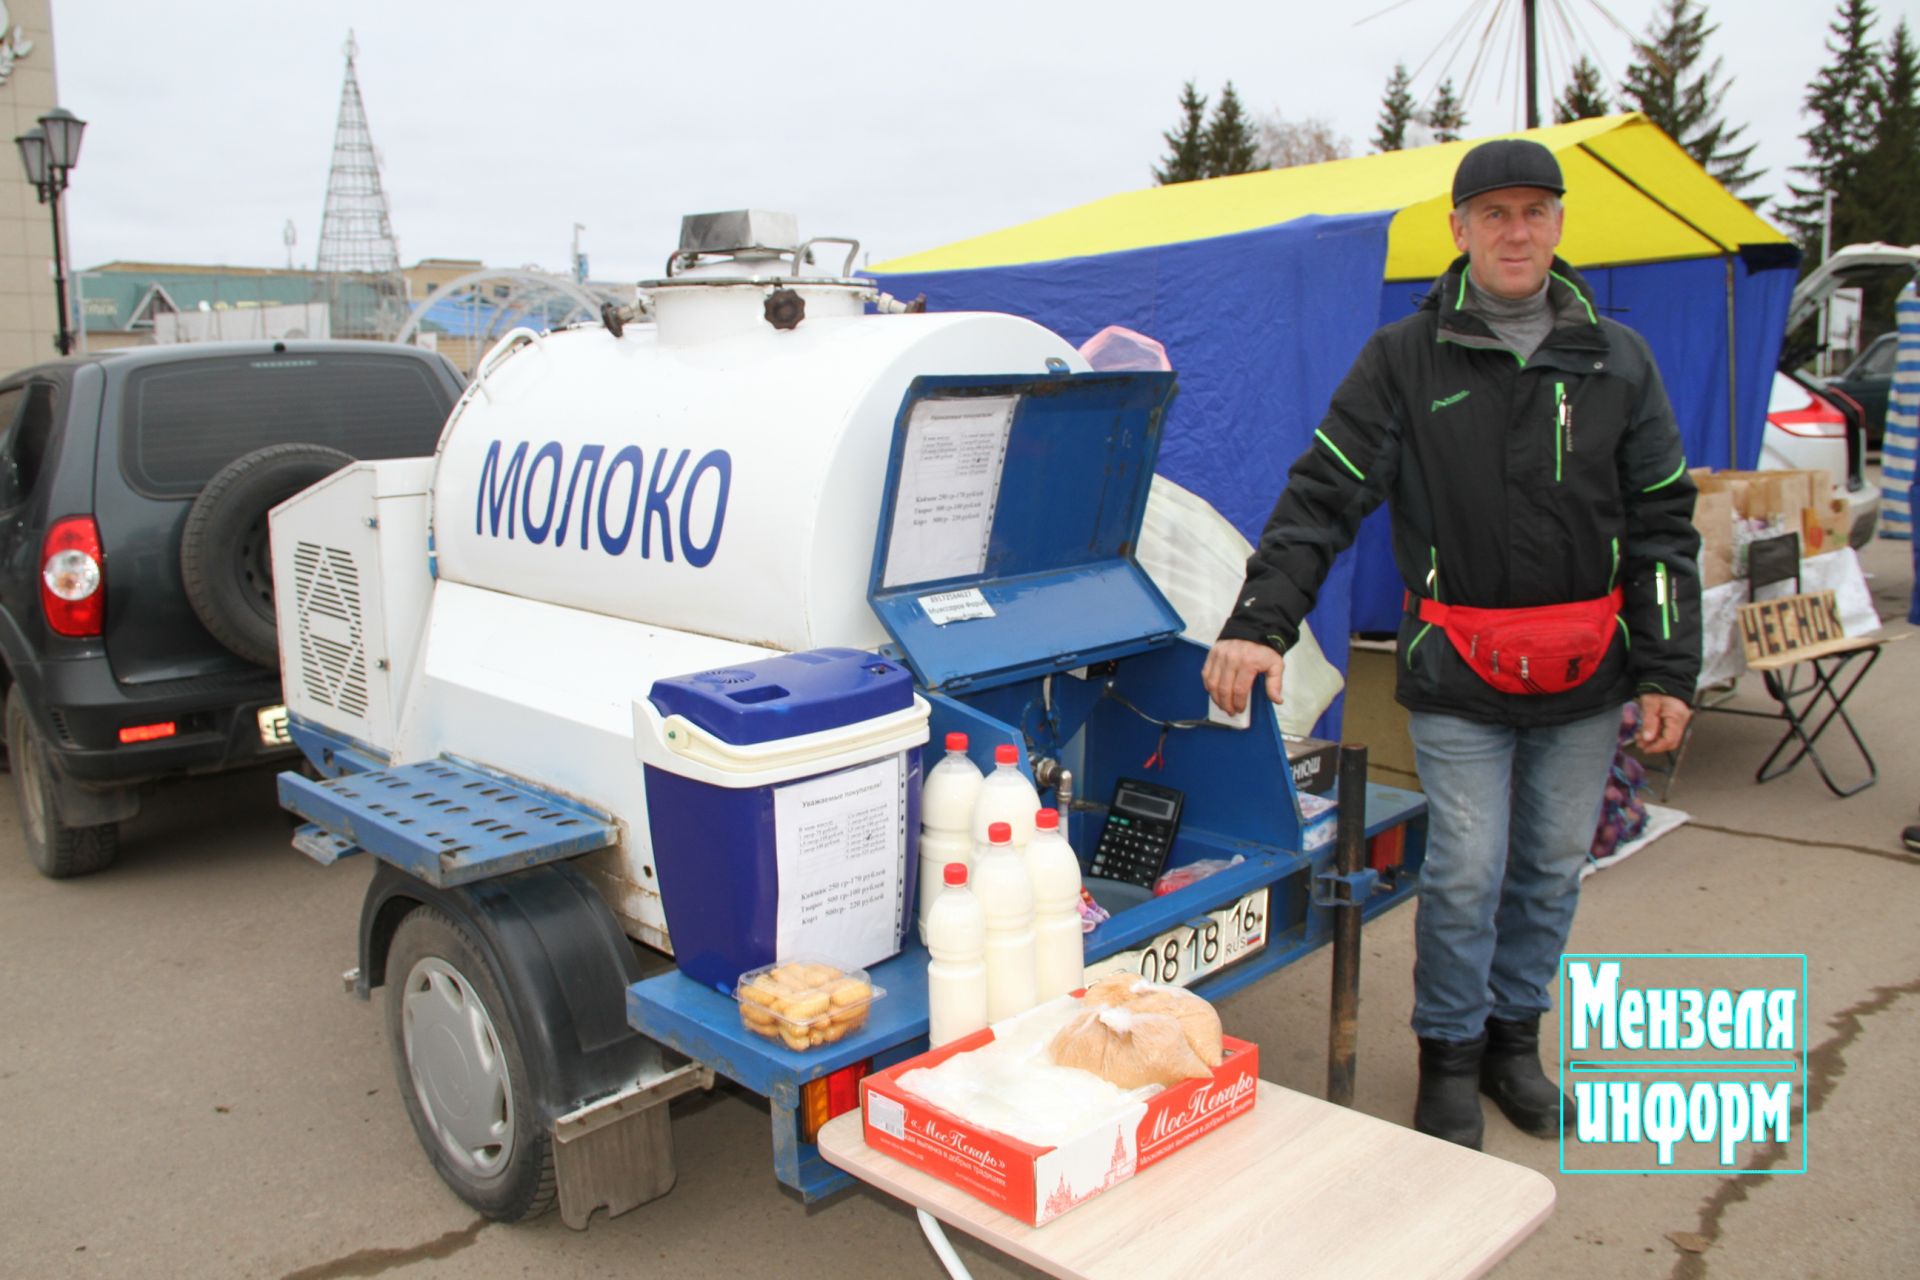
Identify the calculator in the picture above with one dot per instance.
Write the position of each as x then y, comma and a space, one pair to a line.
1141, 823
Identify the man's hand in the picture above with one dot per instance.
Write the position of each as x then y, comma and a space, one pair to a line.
1231, 668
1663, 719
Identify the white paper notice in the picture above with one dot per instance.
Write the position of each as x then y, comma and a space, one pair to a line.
949, 483
840, 844
955, 606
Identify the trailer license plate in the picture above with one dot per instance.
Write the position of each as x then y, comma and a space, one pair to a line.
273, 727
1186, 953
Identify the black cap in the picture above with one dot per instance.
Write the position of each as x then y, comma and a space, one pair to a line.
1506, 162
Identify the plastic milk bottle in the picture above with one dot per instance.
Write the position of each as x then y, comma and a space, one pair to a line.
1005, 890
947, 800
957, 973
1006, 796
1060, 959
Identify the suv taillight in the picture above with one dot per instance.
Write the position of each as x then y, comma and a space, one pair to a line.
73, 577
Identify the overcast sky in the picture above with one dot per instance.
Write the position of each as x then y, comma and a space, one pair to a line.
907, 125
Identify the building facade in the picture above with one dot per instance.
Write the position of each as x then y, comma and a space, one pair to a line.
28, 317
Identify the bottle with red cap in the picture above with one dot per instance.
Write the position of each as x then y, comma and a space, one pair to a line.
1059, 947
947, 800
1005, 890
957, 970
1006, 796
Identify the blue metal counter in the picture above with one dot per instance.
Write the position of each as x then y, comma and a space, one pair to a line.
705, 1025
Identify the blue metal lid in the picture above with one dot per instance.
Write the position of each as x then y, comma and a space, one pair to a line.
1045, 578
786, 696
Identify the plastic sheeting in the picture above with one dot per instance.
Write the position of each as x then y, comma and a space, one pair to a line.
1638, 198
1198, 561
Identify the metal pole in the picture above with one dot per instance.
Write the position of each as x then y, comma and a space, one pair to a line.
80, 310
1733, 380
1349, 856
1823, 362
1533, 93
65, 339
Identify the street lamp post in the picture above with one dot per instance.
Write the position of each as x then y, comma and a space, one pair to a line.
49, 151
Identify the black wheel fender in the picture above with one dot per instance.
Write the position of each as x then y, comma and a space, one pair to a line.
223, 546
558, 955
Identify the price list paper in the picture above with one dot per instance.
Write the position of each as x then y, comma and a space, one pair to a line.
949, 484
840, 846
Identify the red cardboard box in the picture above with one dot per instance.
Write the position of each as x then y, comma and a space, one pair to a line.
1038, 1184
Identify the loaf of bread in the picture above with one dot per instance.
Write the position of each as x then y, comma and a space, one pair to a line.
1198, 1019
1128, 1049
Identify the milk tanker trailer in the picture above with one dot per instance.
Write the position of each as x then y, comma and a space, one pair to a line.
648, 652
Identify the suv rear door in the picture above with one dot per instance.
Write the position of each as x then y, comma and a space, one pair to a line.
170, 426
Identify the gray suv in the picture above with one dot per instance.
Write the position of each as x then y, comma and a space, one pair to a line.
136, 595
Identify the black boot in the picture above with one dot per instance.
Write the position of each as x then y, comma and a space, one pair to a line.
1511, 1075
1449, 1106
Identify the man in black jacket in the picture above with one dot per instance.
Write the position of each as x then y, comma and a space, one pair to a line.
1541, 520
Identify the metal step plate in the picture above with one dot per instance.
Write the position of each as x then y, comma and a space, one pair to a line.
446, 822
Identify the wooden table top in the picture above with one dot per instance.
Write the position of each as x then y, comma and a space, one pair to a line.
1297, 1188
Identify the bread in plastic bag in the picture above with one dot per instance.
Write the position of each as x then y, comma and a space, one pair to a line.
1127, 1049
1198, 1020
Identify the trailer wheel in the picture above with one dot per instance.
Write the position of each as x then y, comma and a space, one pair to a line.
58, 850
462, 1071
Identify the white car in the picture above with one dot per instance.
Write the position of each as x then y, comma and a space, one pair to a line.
1810, 430
1821, 428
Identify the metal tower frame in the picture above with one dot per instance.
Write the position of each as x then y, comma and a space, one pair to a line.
358, 252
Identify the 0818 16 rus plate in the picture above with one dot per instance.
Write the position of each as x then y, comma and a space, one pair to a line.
447, 822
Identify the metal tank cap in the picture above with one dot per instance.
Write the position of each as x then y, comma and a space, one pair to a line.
740, 232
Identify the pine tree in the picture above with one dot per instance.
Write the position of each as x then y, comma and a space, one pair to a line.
1841, 102
1231, 145
1890, 169
1886, 202
1662, 84
1187, 157
1396, 111
1584, 97
1447, 117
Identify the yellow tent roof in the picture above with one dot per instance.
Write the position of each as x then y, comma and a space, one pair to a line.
1632, 196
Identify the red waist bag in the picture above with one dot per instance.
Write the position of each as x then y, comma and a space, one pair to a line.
1545, 649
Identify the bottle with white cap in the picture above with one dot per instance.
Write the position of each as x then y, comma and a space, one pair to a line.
957, 971
1059, 947
1006, 796
1005, 890
946, 820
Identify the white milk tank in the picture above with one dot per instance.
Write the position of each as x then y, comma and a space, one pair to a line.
1005, 890
957, 972
1059, 950
1006, 796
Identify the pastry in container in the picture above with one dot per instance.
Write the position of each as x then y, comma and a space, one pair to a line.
805, 1002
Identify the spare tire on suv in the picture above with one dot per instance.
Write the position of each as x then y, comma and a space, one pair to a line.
225, 561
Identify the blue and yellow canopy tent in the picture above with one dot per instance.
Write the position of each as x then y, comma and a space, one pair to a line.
1264, 286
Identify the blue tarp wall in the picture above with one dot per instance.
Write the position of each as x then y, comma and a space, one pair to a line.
1261, 326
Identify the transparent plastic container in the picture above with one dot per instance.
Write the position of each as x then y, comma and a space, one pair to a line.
805, 1002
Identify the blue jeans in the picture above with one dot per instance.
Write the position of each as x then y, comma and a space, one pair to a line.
1511, 814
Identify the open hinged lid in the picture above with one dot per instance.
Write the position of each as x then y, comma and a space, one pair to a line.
1008, 524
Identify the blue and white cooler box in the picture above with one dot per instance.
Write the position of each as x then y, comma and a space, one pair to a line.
783, 800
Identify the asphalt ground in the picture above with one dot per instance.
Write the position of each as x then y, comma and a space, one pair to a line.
186, 1091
